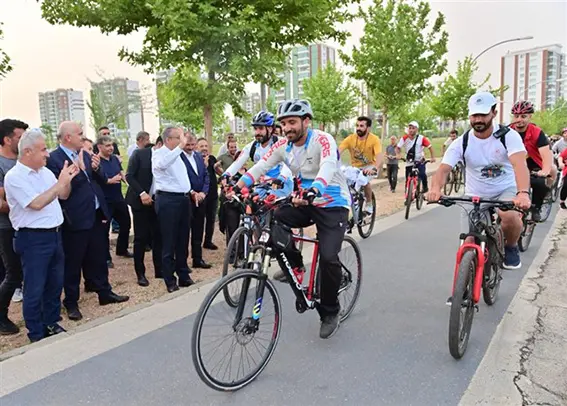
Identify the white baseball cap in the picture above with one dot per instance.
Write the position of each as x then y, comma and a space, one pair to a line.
414, 124
481, 103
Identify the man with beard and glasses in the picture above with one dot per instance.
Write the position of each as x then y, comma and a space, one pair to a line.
263, 124
313, 158
414, 144
495, 169
540, 157
365, 152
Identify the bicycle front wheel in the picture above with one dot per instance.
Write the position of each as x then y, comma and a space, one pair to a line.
409, 196
448, 188
526, 236
366, 223
458, 181
462, 306
248, 334
351, 268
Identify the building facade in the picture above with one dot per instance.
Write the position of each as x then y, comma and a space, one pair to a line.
536, 74
61, 105
251, 103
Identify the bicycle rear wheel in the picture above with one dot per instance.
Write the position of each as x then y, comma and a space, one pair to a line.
546, 207
458, 180
555, 188
419, 196
409, 196
526, 236
351, 268
493, 268
236, 257
448, 188
366, 223
255, 333
460, 323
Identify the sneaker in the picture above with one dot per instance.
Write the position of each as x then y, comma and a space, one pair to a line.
536, 215
7, 327
449, 301
18, 295
329, 325
562, 205
280, 276
512, 258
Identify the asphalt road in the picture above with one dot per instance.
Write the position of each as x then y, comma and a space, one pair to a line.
392, 351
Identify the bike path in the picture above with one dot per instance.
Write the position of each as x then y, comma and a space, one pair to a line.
391, 351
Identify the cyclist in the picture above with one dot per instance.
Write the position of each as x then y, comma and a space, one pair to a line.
263, 124
493, 171
365, 151
452, 137
313, 157
414, 144
539, 156
560, 145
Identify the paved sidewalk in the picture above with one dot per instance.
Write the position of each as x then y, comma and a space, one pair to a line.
526, 363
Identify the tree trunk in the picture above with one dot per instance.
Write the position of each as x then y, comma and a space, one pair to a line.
208, 116
384, 126
263, 95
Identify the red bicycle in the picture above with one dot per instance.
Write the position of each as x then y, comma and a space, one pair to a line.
478, 266
250, 326
413, 187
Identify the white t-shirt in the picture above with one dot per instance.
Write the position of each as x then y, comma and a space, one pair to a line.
488, 169
407, 143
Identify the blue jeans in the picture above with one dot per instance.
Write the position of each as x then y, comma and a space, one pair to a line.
43, 267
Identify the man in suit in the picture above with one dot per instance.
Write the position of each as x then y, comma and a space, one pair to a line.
212, 199
199, 177
84, 228
140, 197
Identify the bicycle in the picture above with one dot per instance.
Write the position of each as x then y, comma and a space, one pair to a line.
245, 326
358, 216
478, 267
252, 220
413, 187
455, 180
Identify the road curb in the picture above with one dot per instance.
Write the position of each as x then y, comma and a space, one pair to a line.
493, 382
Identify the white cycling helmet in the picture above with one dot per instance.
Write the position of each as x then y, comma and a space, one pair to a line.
294, 108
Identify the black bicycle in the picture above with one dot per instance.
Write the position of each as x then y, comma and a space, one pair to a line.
454, 180
528, 223
252, 328
359, 216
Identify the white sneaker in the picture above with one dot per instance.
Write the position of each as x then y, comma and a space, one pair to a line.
18, 295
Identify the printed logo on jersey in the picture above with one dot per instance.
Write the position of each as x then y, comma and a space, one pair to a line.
278, 144
326, 146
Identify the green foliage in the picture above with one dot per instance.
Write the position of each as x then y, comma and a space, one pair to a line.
234, 42
332, 97
402, 47
109, 108
5, 66
50, 138
271, 104
421, 111
552, 120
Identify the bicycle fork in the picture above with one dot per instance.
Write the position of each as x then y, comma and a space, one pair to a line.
479, 271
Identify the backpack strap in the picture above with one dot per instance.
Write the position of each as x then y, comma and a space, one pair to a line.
255, 145
465, 144
500, 134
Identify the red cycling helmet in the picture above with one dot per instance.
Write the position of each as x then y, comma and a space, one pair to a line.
523, 107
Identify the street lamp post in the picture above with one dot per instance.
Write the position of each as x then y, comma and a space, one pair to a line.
500, 43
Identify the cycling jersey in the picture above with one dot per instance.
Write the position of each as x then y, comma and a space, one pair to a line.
534, 138
316, 164
559, 146
362, 151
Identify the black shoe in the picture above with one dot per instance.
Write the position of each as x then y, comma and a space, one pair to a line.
173, 288
536, 215
186, 283
110, 264
74, 314
7, 327
562, 205
329, 325
143, 281
158, 275
88, 289
210, 246
110, 298
53, 330
201, 264
126, 254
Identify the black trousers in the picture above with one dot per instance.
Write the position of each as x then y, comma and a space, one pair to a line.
211, 208
563, 193
231, 213
392, 171
86, 250
174, 218
331, 226
13, 267
120, 213
198, 214
539, 191
146, 231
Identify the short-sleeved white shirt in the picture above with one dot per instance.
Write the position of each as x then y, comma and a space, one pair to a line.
22, 185
407, 143
489, 171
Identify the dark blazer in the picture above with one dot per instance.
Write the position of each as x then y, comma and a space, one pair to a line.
139, 176
79, 208
199, 182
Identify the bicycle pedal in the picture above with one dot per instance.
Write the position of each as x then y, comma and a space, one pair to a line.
300, 307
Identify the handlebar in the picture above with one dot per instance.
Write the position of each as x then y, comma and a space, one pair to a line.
503, 205
536, 175
423, 161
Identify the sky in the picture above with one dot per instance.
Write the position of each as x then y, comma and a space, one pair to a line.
46, 57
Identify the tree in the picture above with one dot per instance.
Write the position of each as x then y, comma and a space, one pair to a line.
233, 42
5, 66
271, 104
421, 111
49, 133
332, 97
552, 120
399, 51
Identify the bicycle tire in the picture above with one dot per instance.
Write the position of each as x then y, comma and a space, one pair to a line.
545, 210
346, 312
555, 188
494, 268
240, 231
526, 236
462, 293
448, 188
458, 180
363, 216
198, 325
409, 198
419, 196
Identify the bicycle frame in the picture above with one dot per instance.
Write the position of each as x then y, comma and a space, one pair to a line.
413, 178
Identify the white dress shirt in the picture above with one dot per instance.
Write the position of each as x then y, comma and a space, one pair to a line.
23, 185
191, 158
131, 150
170, 173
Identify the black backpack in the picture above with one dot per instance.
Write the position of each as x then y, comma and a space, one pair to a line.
500, 134
253, 149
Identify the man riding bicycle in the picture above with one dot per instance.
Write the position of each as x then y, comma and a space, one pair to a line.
365, 151
263, 124
414, 145
495, 165
313, 157
539, 155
